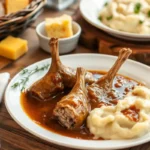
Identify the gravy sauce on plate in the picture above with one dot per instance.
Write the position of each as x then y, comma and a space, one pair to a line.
42, 112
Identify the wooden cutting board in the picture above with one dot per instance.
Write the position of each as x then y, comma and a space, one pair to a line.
104, 43
4, 62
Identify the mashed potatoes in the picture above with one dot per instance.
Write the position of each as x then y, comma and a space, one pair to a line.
110, 122
127, 15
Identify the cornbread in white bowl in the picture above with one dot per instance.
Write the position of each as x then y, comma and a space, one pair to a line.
66, 45
59, 27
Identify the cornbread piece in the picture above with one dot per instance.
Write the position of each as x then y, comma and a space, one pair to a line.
60, 27
15, 5
12, 47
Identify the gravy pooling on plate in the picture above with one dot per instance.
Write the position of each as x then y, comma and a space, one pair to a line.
42, 112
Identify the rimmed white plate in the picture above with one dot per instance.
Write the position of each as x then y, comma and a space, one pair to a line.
90, 10
131, 69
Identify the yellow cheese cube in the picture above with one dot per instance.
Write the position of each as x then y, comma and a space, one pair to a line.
15, 5
13, 48
60, 27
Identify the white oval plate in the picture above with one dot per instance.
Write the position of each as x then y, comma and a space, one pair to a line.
131, 69
90, 10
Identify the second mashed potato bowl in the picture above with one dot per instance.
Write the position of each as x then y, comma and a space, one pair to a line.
90, 10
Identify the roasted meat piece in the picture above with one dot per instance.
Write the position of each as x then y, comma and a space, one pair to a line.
57, 78
72, 109
52, 82
101, 90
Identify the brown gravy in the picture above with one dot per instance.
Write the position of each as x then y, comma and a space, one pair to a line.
132, 113
41, 112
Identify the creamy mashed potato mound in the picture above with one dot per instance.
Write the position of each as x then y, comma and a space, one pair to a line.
109, 122
127, 15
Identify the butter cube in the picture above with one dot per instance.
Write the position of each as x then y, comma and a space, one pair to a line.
15, 5
13, 48
59, 27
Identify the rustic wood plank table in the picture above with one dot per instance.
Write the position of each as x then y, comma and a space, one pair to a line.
12, 136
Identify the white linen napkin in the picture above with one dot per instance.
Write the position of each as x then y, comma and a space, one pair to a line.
4, 77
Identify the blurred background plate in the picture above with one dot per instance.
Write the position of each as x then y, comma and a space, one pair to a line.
90, 10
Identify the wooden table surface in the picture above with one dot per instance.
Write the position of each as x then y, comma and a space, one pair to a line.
12, 136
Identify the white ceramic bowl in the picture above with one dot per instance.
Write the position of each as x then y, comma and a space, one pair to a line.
66, 45
90, 10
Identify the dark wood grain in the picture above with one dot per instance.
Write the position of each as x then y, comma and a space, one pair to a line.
12, 136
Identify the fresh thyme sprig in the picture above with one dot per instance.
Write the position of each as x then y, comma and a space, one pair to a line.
22, 82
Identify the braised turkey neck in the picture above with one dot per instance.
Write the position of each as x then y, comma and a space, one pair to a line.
104, 84
57, 78
72, 110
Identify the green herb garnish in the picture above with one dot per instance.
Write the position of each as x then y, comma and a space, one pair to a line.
100, 18
137, 8
106, 4
148, 14
22, 82
141, 21
109, 18
24, 71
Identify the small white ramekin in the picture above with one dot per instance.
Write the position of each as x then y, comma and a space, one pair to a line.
66, 45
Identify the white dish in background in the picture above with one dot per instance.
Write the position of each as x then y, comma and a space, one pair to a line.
131, 69
66, 45
90, 10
